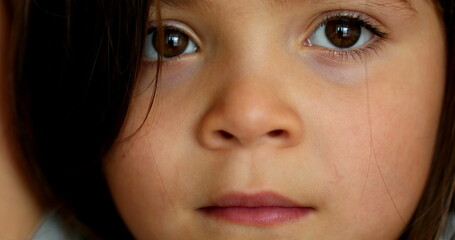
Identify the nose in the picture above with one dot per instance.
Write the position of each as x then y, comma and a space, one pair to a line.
249, 114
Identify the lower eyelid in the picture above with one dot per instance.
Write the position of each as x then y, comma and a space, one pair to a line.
344, 56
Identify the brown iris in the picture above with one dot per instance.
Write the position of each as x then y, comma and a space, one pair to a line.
343, 33
174, 43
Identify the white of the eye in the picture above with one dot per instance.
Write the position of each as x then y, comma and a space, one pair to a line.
152, 54
318, 38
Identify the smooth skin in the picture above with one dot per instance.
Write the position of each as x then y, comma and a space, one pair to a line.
349, 135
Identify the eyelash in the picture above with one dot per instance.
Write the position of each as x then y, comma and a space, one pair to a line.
357, 54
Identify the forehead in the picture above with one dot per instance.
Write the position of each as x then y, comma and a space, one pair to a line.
214, 4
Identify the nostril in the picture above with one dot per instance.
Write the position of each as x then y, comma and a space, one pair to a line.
225, 134
276, 133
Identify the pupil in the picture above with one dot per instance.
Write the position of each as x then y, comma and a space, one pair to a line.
343, 33
174, 43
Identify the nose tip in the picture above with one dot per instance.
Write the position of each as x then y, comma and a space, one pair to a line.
250, 118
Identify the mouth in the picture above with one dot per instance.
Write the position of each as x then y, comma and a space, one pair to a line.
261, 209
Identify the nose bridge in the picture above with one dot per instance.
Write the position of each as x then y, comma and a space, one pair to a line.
253, 47
251, 106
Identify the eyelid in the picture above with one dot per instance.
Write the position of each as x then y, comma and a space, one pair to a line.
179, 26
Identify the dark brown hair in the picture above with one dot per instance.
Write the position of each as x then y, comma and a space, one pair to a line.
437, 202
74, 74
75, 70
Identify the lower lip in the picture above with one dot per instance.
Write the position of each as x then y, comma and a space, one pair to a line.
260, 216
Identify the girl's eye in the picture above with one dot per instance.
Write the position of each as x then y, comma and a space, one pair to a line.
343, 32
175, 43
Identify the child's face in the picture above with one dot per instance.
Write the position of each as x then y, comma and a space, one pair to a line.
262, 129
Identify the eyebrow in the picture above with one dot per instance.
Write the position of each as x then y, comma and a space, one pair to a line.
400, 4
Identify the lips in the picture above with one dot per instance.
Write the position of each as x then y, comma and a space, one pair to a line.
261, 209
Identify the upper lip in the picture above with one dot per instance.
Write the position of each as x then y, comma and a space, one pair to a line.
260, 199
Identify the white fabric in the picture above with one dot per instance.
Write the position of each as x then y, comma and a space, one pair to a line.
52, 228
449, 232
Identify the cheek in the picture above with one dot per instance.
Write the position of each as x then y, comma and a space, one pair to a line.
145, 184
381, 148
148, 170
